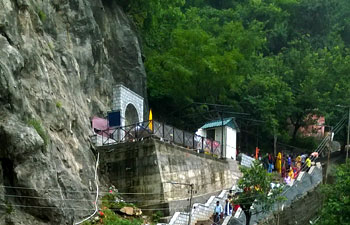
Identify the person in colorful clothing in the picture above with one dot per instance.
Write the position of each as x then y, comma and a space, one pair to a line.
217, 212
228, 208
308, 164
291, 173
278, 162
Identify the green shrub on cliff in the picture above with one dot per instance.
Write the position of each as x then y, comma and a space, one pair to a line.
42, 15
58, 103
112, 201
108, 217
39, 129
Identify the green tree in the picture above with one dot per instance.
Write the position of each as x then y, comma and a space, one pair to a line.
336, 207
266, 96
301, 69
279, 60
256, 183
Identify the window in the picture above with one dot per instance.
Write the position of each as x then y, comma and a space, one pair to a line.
211, 134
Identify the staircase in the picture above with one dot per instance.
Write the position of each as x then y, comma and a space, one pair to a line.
202, 213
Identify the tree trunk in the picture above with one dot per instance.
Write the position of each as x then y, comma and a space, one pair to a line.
248, 216
295, 131
297, 125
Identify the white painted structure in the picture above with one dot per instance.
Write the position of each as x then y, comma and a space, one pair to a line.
247, 160
214, 129
129, 104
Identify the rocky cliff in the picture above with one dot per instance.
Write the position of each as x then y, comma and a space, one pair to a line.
59, 60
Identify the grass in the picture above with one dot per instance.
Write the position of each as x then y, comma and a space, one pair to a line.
39, 129
42, 15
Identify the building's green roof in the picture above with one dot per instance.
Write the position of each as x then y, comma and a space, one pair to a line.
230, 122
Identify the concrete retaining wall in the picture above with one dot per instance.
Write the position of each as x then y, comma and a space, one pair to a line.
146, 167
299, 206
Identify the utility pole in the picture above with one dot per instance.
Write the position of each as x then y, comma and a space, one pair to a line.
222, 135
190, 210
348, 131
191, 195
329, 152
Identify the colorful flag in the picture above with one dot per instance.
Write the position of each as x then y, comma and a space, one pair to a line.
150, 120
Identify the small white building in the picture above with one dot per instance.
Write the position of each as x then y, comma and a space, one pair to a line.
213, 130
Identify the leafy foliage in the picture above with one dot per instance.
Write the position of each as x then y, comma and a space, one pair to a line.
156, 216
108, 217
336, 207
256, 185
109, 201
278, 60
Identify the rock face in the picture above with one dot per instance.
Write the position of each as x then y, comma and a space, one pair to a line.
59, 61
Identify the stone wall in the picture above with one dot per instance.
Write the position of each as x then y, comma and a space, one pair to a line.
150, 165
301, 204
301, 211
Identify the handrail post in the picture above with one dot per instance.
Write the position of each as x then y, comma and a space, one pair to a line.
202, 143
183, 138
163, 130
173, 134
193, 141
153, 126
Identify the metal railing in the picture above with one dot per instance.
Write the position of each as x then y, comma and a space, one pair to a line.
139, 131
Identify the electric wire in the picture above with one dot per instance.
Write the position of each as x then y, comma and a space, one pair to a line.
96, 182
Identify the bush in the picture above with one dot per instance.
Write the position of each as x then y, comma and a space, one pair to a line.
111, 201
39, 129
59, 104
110, 218
156, 216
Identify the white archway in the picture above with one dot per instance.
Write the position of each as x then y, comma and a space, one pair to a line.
129, 104
131, 115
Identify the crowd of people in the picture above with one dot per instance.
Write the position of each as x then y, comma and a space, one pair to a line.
289, 166
229, 208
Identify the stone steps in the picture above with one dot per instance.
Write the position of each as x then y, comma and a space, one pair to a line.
200, 212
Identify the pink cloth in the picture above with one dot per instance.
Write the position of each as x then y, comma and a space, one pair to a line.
100, 126
99, 123
314, 154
